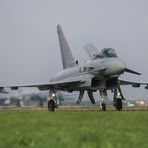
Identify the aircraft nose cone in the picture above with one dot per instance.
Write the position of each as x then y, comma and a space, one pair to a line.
120, 66
116, 67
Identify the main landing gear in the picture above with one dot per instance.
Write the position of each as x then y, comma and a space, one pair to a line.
103, 106
52, 102
51, 105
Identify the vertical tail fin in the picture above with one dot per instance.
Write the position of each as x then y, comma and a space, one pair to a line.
67, 57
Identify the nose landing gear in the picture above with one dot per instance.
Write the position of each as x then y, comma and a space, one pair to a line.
103, 94
118, 97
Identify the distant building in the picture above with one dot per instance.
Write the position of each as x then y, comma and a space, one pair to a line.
141, 102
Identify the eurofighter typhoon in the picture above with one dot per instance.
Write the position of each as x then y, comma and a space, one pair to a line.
101, 74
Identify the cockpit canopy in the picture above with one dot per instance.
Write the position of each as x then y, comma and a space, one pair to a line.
108, 53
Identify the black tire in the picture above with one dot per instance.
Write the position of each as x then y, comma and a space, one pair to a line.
119, 104
103, 106
51, 105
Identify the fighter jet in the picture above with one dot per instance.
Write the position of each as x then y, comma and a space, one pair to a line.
101, 74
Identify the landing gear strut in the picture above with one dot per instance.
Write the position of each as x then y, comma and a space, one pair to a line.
80, 97
103, 94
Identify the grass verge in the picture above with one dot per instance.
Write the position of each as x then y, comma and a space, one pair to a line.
74, 129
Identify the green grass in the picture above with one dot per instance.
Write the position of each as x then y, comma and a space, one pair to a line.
74, 129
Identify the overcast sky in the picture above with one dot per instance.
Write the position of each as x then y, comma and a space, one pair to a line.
29, 49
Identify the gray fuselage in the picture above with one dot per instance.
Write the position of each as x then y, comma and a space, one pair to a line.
100, 67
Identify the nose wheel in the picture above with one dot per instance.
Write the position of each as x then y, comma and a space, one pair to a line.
118, 104
118, 97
